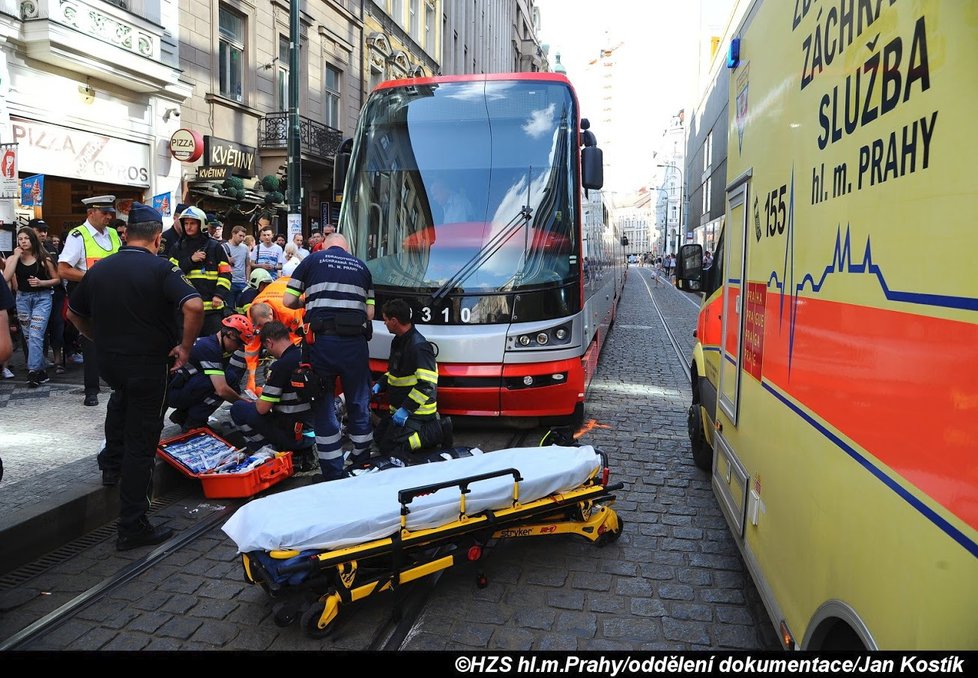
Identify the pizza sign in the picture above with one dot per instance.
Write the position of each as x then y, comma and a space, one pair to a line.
186, 145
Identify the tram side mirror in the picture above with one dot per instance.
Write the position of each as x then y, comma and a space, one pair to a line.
689, 268
592, 167
341, 164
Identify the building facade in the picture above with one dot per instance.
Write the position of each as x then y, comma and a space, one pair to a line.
84, 88
671, 201
235, 55
188, 100
488, 36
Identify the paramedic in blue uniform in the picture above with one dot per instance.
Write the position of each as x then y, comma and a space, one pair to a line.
280, 416
127, 305
212, 374
339, 307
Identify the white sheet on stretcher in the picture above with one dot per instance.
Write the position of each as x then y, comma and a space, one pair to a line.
360, 509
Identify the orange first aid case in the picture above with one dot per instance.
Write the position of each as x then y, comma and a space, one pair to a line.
193, 452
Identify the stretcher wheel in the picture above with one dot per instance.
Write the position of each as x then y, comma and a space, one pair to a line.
317, 612
611, 536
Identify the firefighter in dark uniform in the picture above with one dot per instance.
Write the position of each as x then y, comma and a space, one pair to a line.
411, 384
281, 416
127, 305
339, 304
205, 263
212, 375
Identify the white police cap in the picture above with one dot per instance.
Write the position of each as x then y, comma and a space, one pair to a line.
100, 202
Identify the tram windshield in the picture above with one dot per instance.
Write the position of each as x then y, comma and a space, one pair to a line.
442, 175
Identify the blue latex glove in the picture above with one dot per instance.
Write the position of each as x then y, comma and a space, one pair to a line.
400, 416
376, 389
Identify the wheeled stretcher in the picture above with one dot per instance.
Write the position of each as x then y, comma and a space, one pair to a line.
318, 548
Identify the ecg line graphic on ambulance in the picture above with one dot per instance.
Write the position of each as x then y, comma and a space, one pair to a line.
842, 263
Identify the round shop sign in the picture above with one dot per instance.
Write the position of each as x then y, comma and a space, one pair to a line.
186, 145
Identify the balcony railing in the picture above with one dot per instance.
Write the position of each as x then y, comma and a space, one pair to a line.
315, 138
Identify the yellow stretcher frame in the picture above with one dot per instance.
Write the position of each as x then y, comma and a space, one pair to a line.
356, 572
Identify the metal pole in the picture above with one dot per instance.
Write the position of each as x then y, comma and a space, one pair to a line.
294, 147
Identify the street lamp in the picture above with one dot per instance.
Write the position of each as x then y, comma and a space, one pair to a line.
682, 199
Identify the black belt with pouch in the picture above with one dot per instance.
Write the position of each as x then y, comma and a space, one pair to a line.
344, 324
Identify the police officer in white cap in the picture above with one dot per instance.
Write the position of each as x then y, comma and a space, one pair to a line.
85, 246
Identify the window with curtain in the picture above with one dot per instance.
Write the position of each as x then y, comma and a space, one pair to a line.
282, 92
231, 48
331, 104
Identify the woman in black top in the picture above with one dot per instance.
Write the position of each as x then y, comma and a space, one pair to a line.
34, 275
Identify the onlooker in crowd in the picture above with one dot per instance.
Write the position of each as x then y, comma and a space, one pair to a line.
86, 246
337, 291
173, 234
411, 384
292, 260
205, 263
40, 228
215, 229
56, 321
267, 255
315, 241
120, 227
34, 274
237, 252
128, 305
213, 373
280, 240
280, 416
302, 251
6, 345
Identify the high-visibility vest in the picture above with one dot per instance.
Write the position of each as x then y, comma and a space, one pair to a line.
291, 318
93, 251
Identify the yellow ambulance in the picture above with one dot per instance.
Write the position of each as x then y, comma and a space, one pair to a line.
835, 375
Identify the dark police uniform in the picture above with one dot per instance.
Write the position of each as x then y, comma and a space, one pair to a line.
283, 426
191, 390
411, 382
131, 297
338, 289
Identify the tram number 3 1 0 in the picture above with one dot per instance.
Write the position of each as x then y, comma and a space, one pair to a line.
444, 315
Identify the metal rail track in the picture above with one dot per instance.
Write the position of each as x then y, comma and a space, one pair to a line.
681, 354
56, 618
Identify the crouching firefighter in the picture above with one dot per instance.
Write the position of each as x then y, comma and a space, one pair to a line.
281, 416
411, 384
337, 292
212, 374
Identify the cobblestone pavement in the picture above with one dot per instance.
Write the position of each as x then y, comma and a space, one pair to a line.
674, 580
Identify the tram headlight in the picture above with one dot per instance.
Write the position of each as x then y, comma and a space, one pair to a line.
528, 380
524, 340
543, 338
561, 333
